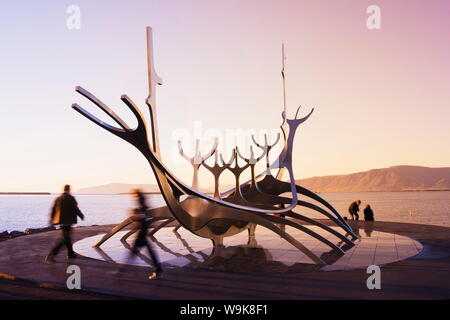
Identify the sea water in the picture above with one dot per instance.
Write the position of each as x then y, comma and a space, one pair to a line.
18, 212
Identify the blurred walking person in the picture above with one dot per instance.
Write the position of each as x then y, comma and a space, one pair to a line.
64, 213
141, 215
354, 209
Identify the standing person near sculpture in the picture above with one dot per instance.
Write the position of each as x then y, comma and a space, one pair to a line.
368, 213
141, 240
354, 209
64, 213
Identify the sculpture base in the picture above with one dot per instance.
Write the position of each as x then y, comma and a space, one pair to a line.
266, 252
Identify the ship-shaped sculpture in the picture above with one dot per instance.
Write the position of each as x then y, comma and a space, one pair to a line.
257, 202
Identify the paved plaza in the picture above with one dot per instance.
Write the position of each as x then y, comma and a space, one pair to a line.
414, 260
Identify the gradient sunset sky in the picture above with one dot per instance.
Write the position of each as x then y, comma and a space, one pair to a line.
381, 97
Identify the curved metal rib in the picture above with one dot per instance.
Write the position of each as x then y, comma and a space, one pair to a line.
305, 230
272, 199
114, 230
103, 107
161, 225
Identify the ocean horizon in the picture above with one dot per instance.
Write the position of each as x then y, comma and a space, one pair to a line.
19, 212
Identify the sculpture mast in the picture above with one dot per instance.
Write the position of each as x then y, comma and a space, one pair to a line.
283, 126
283, 58
153, 80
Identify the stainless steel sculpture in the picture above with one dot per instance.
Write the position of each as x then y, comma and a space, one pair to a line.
254, 202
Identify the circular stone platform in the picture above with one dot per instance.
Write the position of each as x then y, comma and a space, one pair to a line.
266, 252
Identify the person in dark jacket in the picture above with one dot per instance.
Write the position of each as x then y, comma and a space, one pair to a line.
141, 219
368, 213
64, 213
354, 209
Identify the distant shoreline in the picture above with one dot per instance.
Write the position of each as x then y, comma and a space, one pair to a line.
25, 193
409, 190
157, 192
154, 192
424, 190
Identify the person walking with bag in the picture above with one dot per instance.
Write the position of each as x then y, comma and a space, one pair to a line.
64, 213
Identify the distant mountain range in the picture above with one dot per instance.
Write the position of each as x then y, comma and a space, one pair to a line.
397, 178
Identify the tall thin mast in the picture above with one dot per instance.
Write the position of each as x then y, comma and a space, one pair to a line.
149, 62
153, 80
283, 58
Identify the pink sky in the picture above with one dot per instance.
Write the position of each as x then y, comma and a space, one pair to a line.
381, 97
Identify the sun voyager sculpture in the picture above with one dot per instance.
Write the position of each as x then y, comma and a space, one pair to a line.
257, 202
